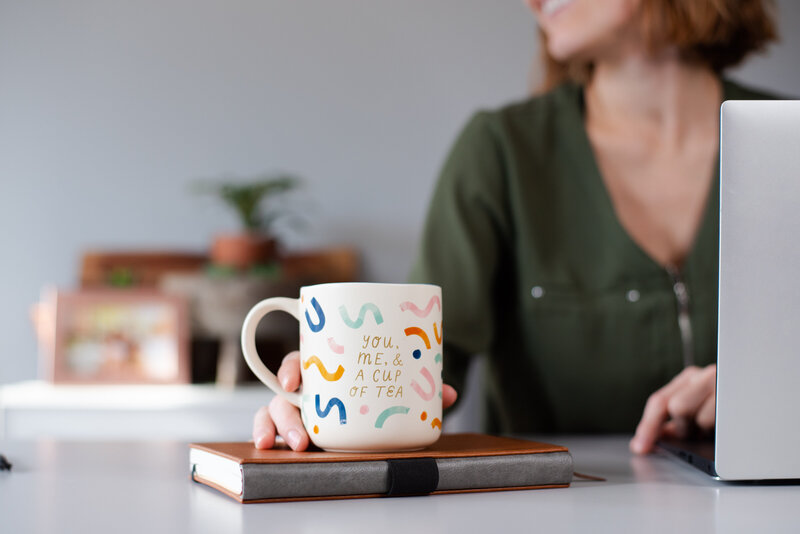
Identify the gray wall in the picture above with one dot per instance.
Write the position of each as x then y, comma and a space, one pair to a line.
108, 110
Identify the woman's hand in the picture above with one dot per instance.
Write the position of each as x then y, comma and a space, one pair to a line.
281, 417
689, 400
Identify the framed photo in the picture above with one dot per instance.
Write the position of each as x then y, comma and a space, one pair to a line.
119, 336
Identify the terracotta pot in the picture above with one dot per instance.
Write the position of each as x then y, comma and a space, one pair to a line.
242, 250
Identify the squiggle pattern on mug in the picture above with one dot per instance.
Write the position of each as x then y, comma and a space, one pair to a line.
368, 307
413, 308
385, 414
422, 393
437, 358
316, 327
437, 335
331, 403
436, 423
335, 347
417, 331
327, 375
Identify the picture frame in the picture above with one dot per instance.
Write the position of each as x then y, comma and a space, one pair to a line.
130, 336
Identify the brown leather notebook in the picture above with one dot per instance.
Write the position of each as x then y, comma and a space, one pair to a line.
454, 464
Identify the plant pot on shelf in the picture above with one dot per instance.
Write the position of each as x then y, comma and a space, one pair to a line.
242, 250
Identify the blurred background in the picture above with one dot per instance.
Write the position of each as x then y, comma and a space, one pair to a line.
111, 111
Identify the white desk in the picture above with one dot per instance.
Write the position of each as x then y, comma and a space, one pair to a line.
36, 409
88, 487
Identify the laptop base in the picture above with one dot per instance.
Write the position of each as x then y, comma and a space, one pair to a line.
698, 454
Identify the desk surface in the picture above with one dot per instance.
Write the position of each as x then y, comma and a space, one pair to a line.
60, 486
36, 409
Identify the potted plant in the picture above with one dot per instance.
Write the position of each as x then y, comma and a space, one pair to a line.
255, 204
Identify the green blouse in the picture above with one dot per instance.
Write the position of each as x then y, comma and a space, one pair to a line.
579, 324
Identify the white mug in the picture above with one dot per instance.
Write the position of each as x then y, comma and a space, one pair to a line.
371, 363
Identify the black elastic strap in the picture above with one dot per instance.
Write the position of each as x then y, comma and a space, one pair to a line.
412, 476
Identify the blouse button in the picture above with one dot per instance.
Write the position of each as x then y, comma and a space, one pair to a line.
633, 296
537, 292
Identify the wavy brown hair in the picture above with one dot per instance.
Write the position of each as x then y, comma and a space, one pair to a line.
717, 33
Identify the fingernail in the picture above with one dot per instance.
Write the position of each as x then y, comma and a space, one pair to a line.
293, 438
636, 445
284, 383
261, 441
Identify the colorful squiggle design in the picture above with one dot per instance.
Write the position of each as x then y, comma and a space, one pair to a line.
331, 403
417, 331
335, 347
327, 375
422, 393
413, 308
388, 412
437, 335
316, 327
368, 307
437, 358
436, 423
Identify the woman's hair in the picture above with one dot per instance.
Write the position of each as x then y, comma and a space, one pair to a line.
718, 33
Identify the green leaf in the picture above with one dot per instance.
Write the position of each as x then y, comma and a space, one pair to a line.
250, 199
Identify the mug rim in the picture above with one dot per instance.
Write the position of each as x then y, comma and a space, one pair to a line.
384, 284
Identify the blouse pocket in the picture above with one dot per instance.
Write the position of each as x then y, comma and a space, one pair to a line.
600, 354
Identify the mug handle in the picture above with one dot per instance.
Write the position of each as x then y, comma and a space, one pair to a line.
254, 316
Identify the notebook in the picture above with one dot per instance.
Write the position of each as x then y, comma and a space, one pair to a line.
456, 463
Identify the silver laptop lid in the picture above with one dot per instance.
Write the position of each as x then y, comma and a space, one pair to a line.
758, 374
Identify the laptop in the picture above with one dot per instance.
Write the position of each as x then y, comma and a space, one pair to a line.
758, 355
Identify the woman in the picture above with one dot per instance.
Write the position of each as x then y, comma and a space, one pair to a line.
575, 234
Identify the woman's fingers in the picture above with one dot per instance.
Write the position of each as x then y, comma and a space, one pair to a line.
654, 416
289, 372
281, 416
681, 428
672, 410
449, 395
263, 429
687, 401
656, 413
706, 417
287, 420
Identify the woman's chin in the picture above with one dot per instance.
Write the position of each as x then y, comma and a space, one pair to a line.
564, 52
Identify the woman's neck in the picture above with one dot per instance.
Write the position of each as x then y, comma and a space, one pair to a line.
663, 97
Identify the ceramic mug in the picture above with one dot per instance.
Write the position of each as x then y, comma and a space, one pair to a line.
371, 363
